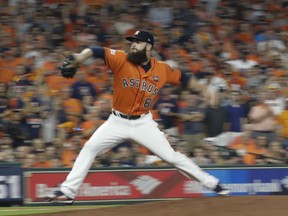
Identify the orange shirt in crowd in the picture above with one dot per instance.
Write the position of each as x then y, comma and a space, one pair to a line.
99, 82
86, 125
278, 72
72, 105
282, 119
68, 157
248, 146
56, 1
253, 58
275, 7
89, 125
98, 3
6, 74
43, 164
245, 37
196, 67
69, 153
8, 32
57, 82
107, 96
49, 66
7, 68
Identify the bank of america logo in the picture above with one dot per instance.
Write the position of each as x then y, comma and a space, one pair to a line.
145, 184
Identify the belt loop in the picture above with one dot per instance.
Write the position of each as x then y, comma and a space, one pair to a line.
116, 113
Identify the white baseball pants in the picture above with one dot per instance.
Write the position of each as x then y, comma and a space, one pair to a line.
145, 132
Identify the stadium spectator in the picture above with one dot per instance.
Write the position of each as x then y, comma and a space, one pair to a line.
42, 160
276, 155
237, 111
69, 151
262, 119
29, 161
3, 102
216, 158
199, 157
70, 105
124, 157
161, 13
81, 87
167, 108
245, 147
48, 125
90, 122
254, 77
242, 63
262, 144
17, 130
216, 119
7, 150
192, 117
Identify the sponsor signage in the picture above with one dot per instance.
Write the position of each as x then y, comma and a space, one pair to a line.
255, 181
11, 190
156, 184
112, 185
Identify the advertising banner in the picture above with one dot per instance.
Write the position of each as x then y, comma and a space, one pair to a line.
254, 181
112, 185
11, 187
156, 184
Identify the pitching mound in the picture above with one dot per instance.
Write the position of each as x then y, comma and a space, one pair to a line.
210, 206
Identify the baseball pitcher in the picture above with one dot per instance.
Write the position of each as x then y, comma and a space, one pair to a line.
138, 78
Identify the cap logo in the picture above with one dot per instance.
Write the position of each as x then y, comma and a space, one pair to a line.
141, 35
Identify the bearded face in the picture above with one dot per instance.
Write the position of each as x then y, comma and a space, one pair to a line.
137, 57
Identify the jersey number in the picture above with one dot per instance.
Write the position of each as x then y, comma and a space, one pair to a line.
148, 102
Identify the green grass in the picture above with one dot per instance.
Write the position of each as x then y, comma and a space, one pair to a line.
11, 211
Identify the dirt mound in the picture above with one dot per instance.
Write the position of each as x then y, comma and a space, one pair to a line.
210, 206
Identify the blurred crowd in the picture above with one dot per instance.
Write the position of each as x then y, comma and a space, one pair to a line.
238, 49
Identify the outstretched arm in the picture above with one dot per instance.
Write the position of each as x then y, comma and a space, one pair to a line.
73, 60
96, 51
83, 56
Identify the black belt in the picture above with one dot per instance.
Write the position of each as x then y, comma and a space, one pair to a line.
133, 117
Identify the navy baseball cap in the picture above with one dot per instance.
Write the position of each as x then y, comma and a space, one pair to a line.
142, 35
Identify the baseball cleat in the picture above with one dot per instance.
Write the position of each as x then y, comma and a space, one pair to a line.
59, 197
221, 191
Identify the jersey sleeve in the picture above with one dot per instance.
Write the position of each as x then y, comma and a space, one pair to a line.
114, 59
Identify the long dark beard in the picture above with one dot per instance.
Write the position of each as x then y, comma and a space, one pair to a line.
138, 57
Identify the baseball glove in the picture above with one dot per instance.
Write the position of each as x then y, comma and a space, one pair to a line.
69, 66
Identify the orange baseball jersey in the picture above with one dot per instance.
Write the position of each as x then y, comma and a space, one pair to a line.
136, 91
